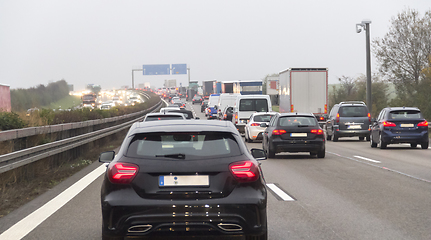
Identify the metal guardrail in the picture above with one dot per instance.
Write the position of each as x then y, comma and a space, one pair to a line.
23, 157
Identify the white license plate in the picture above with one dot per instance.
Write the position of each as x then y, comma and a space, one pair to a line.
407, 125
193, 180
298, 134
354, 127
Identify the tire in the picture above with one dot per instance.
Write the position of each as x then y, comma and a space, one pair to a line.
328, 137
372, 143
321, 154
414, 145
383, 145
271, 154
368, 138
361, 138
424, 145
335, 139
313, 153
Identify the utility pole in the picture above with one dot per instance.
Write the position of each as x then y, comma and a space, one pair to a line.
365, 24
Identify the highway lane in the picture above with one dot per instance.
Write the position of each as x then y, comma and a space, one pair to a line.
338, 197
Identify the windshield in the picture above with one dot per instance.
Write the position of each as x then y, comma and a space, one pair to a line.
263, 118
353, 111
256, 105
297, 121
405, 114
183, 145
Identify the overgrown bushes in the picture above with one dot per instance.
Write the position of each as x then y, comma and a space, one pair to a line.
10, 120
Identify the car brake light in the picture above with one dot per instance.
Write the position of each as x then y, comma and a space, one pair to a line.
244, 171
369, 117
423, 124
255, 124
317, 131
388, 124
337, 119
122, 173
278, 132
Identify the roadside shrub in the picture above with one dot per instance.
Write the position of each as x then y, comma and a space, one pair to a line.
10, 120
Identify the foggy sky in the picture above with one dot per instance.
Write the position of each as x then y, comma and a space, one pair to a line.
100, 42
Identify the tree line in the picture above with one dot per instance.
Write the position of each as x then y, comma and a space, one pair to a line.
41, 95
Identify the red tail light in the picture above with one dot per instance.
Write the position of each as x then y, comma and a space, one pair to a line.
423, 124
317, 131
369, 117
122, 173
278, 132
245, 171
255, 124
388, 124
236, 118
337, 119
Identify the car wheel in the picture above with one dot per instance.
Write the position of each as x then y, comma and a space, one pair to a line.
271, 154
368, 138
413, 145
335, 139
361, 138
424, 145
372, 143
382, 144
328, 137
321, 153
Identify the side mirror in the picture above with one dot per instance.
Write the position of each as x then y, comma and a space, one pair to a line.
107, 157
258, 154
264, 125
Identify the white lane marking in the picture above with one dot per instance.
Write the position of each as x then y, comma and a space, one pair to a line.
279, 192
27, 224
367, 159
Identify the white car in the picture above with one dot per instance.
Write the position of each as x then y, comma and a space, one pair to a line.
253, 130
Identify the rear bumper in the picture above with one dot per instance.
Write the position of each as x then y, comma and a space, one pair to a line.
389, 137
279, 145
351, 133
232, 215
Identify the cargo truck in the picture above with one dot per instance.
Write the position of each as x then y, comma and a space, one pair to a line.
304, 90
208, 88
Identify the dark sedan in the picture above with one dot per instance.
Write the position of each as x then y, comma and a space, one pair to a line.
399, 125
183, 178
197, 99
293, 132
204, 105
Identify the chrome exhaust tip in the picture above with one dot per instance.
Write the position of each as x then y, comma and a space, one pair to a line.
140, 228
229, 227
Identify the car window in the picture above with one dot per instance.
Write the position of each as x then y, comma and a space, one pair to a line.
183, 145
162, 117
257, 105
294, 121
263, 118
353, 111
405, 114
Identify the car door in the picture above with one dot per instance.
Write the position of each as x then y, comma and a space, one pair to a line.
375, 128
266, 133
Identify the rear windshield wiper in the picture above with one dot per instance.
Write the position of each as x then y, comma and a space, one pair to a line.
305, 125
176, 155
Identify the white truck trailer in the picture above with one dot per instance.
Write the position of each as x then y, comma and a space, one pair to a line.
304, 90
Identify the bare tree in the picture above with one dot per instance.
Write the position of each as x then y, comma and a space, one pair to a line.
403, 52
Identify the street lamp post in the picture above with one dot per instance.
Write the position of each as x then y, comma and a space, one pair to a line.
365, 24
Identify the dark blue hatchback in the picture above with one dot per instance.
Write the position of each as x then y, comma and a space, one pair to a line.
399, 125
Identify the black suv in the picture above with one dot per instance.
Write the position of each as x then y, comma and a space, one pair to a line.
348, 119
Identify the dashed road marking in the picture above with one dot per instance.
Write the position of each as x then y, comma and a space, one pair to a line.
367, 159
279, 192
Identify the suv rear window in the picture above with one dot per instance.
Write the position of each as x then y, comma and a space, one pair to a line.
256, 105
405, 114
353, 111
183, 145
295, 121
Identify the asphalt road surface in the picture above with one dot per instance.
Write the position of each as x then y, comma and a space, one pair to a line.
355, 192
